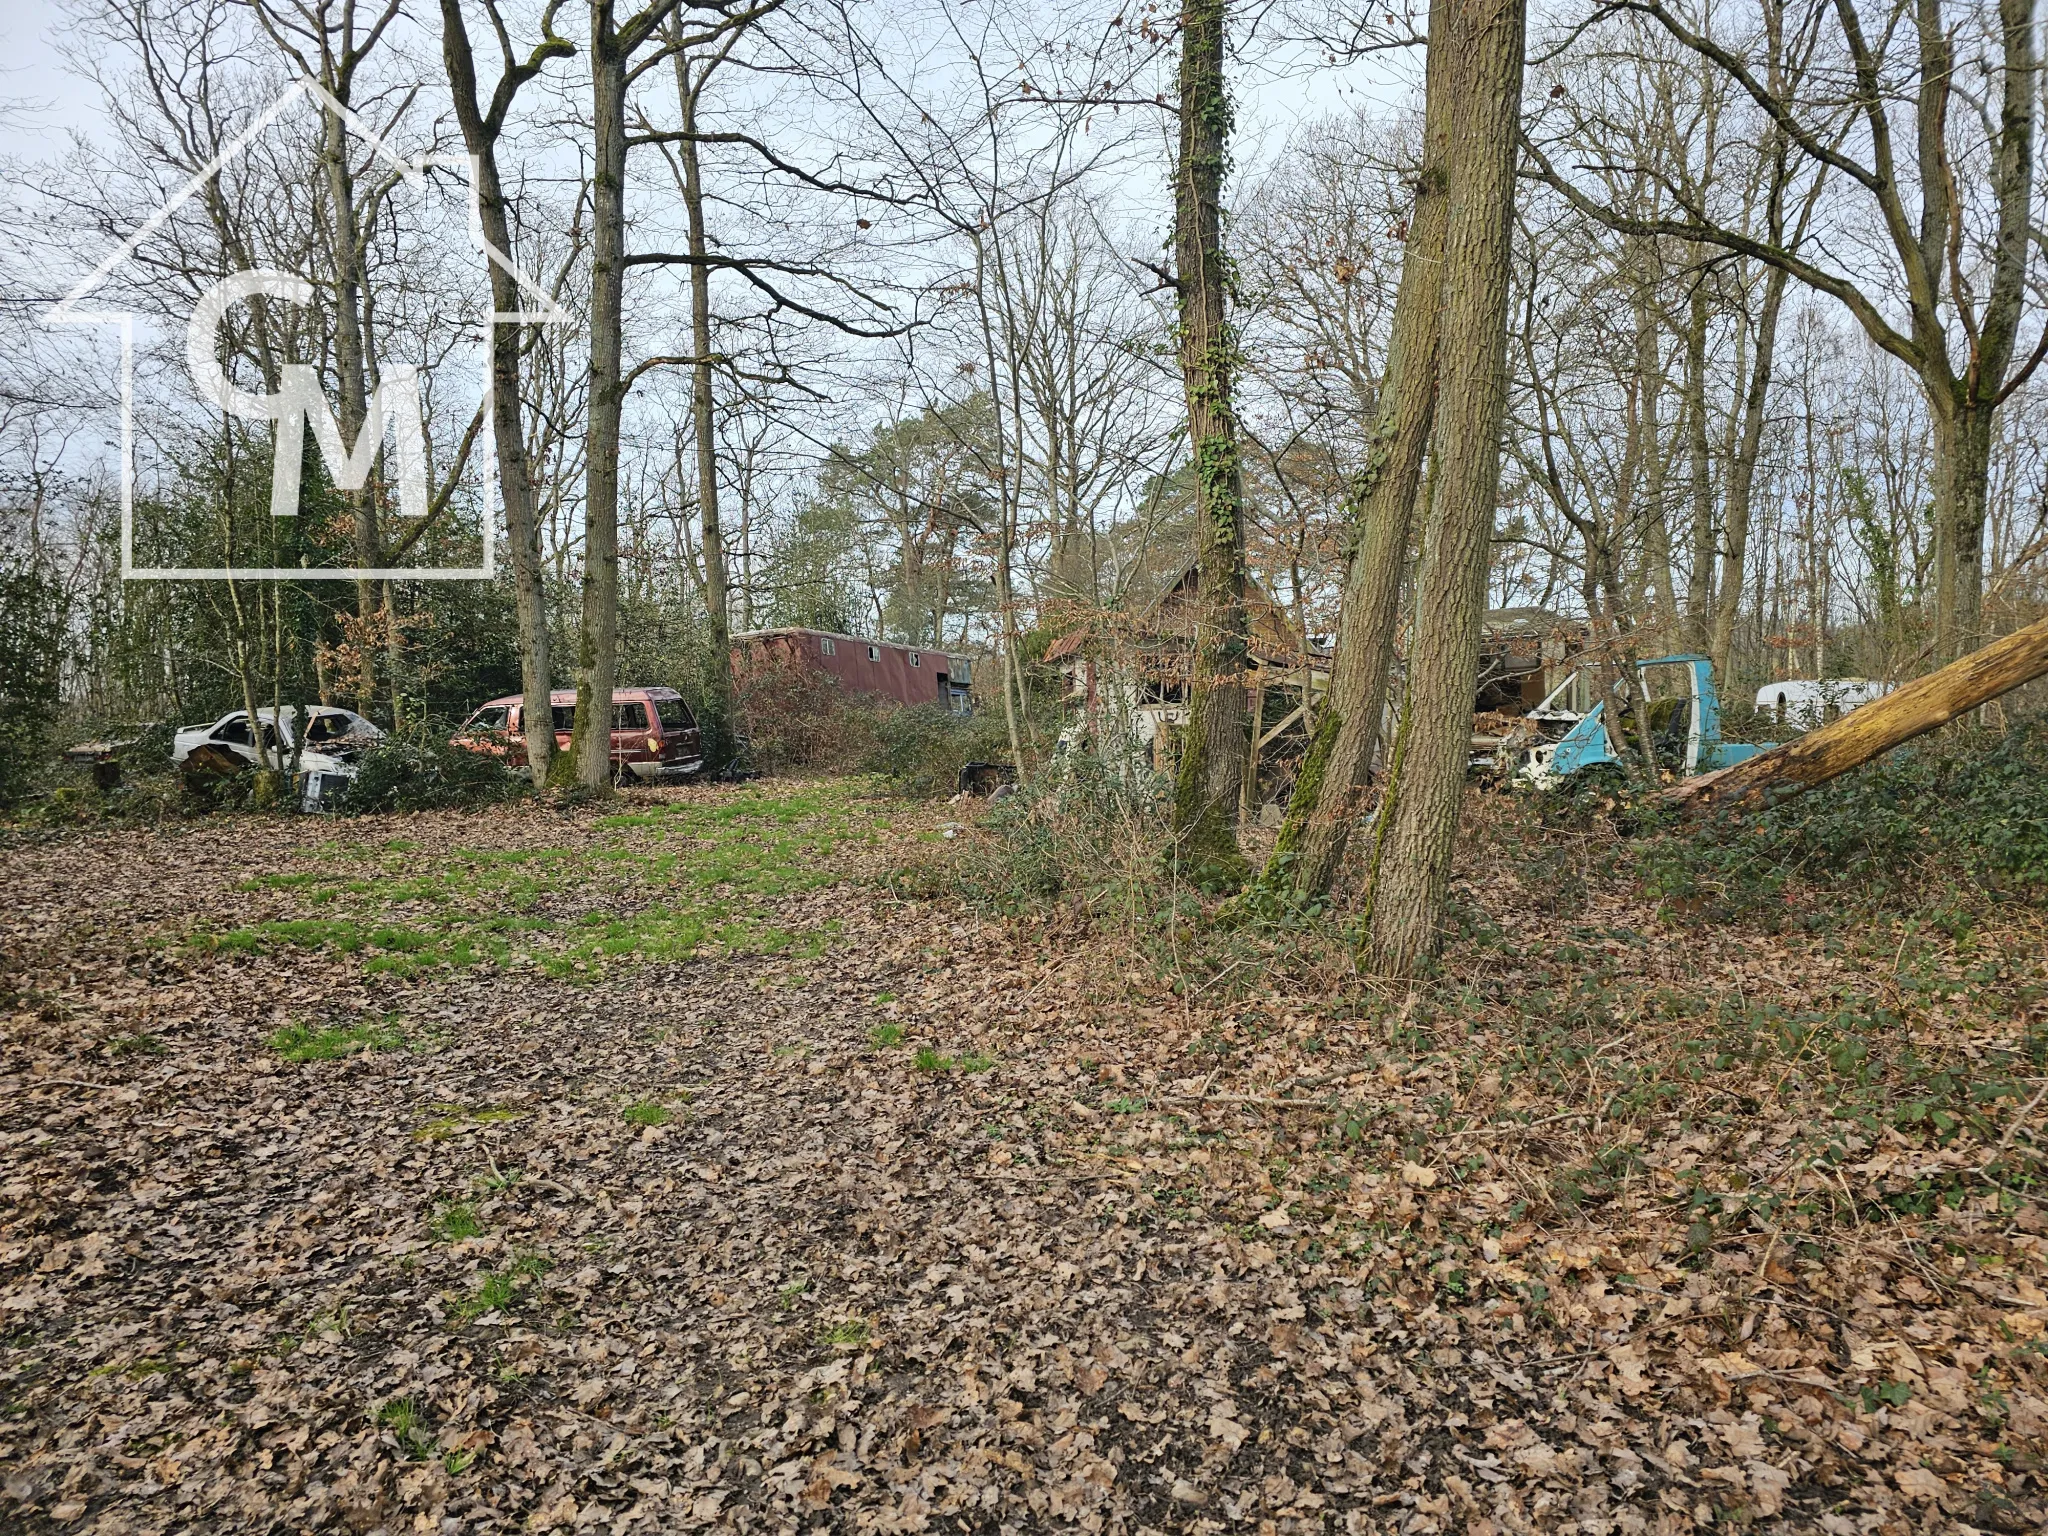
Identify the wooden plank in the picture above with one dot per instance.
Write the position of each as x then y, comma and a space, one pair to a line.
1248, 786
1287, 720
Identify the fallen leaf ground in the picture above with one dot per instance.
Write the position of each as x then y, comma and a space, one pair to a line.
655, 1167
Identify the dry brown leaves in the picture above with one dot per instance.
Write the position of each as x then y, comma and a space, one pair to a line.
1112, 1280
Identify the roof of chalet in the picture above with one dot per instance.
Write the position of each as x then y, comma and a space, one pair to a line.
1519, 623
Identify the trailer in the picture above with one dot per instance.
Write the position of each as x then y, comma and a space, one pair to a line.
876, 670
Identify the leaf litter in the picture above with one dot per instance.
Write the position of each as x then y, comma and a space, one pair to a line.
672, 1185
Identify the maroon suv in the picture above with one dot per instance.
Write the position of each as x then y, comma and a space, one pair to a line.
654, 735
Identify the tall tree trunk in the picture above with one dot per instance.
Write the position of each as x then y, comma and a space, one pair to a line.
1381, 504
1213, 761
1656, 513
351, 370
1742, 479
1961, 438
1016, 700
718, 672
597, 651
1406, 899
480, 132
1699, 583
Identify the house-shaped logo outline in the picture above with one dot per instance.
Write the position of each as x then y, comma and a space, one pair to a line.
413, 173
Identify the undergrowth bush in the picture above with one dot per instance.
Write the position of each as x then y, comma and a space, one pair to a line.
1968, 808
921, 749
798, 718
1085, 839
1082, 829
416, 769
795, 717
31, 655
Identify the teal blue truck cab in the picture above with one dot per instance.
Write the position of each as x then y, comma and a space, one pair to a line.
1691, 733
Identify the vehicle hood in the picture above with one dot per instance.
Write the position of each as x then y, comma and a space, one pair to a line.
347, 748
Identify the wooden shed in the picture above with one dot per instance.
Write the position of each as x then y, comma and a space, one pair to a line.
1136, 667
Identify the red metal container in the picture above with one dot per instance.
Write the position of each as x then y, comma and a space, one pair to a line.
878, 670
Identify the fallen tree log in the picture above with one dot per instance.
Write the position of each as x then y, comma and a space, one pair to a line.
1925, 704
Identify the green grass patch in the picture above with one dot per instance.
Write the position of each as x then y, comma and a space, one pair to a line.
407, 1422
646, 1113
886, 1035
499, 1290
671, 882
308, 1042
929, 1060
452, 1223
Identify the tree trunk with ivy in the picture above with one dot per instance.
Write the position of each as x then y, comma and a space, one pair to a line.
1421, 809
1214, 759
1381, 504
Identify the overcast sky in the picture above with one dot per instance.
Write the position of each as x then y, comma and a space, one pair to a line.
47, 101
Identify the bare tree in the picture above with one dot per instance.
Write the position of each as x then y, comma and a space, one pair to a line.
481, 129
325, 41
1962, 326
1419, 818
613, 42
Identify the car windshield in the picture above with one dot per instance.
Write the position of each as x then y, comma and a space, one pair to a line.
490, 718
675, 714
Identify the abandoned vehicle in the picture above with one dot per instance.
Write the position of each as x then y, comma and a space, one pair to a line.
1804, 703
335, 737
655, 739
1565, 735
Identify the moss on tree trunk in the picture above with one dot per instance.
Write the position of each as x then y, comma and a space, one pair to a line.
1214, 758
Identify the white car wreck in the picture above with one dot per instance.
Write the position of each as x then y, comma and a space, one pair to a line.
326, 762
1808, 702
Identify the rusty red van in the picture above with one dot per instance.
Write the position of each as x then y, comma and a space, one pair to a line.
655, 739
